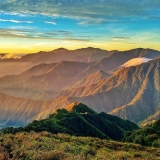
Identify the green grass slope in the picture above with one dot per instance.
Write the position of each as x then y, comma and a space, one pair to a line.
79, 120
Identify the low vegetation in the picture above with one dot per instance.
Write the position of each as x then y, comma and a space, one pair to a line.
47, 146
146, 136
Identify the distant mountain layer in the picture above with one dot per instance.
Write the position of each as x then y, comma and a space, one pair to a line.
53, 77
146, 136
17, 66
106, 60
48, 79
78, 119
82, 55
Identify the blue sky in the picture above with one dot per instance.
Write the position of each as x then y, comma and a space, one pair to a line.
28, 26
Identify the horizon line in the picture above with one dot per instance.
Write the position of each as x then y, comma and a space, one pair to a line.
58, 48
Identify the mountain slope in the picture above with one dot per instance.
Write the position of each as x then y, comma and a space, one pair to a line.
131, 93
78, 119
92, 78
151, 119
146, 101
16, 111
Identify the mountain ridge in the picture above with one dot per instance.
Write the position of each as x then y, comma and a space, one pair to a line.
78, 119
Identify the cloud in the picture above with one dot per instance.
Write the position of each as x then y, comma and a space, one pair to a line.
51, 23
76, 39
30, 34
21, 14
10, 55
14, 21
90, 21
120, 38
21, 27
136, 61
95, 11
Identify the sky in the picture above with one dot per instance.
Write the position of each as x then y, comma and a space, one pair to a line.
29, 26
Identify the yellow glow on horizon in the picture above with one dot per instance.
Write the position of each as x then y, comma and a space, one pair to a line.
25, 48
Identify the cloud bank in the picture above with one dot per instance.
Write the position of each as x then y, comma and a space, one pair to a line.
11, 55
31, 34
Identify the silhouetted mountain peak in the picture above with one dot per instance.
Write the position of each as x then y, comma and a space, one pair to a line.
60, 50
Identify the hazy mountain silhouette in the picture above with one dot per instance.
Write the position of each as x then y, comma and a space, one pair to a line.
17, 66
111, 59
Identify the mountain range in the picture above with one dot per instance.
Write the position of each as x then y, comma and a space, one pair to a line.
98, 78
108, 59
